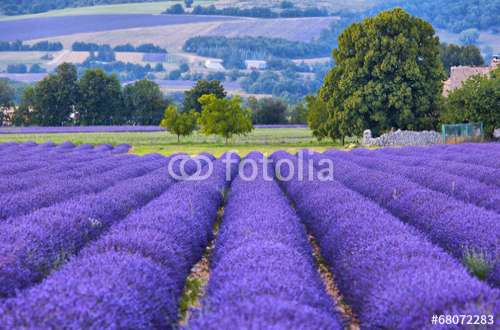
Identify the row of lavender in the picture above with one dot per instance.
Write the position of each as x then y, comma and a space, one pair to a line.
262, 272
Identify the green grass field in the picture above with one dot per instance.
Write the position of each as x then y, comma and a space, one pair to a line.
262, 139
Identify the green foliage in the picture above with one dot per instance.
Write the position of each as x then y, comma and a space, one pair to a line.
318, 119
298, 114
7, 94
179, 123
184, 67
288, 10
224, 117
174, 75
268, 111
101, 99
478, 100
235, 50
24, 114
285, 85
286, 5
188, 3
190, 296
453, 15
51, 101
477, 263
388, 74
202, 87
17, 68
176, 9
20, 46
144, 103
453, 55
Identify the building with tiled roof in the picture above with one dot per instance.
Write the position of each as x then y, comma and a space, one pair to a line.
459, 74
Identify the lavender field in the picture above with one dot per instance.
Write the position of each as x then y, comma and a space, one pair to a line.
46, 27
78, 129
94, 238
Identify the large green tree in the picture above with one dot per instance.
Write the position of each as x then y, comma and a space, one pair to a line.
478, 100
144, 103
101, 99
202, 87
54, 98
224, 117
388, 74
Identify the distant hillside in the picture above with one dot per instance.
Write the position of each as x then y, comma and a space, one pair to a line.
19, 7
451, 15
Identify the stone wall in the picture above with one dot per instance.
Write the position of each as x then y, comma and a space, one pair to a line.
401, 138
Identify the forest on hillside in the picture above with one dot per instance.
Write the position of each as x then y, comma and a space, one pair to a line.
452, 15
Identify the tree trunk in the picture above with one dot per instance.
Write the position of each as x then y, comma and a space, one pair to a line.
178, 138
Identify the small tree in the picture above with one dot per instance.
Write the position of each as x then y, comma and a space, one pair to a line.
188, 3
224, 117
179, 123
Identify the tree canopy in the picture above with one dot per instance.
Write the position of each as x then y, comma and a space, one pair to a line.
101, 99
388, 74
143, 103
454, 55
52, 100
179, 123
7, 94
224, 117
478, 100
202, 87
268, 111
